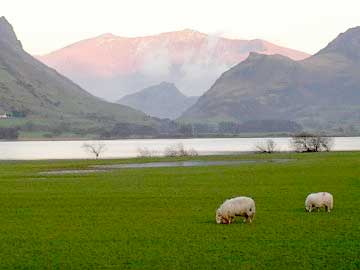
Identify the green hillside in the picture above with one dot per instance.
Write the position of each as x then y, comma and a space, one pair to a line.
42, 97
321, 92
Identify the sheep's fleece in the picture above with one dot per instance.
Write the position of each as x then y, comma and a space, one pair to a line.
319, 200
239, 206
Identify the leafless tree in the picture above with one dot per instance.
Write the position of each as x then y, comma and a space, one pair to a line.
268, 147
174, 150
179, 150
307, 142
95, 148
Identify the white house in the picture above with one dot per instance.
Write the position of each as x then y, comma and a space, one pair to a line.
4, 116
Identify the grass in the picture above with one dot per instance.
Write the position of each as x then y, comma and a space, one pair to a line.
163, 218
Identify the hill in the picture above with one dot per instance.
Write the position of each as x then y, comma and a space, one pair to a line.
163, 100
320, 92
110, 66
39, 98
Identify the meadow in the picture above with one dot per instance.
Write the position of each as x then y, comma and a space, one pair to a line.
164, 218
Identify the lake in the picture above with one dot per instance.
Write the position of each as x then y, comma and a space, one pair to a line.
31, 150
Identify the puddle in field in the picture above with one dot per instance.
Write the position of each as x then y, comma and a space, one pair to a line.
192, 163
86, 171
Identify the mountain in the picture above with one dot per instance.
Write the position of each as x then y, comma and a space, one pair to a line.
110, 66
163, 100
320, 92
44, 98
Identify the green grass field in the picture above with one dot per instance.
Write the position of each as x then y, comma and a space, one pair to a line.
163, 218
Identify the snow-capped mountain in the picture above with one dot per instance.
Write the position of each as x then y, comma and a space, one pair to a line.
110, 66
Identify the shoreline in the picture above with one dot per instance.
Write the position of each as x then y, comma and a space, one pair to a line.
66, 139
180, 158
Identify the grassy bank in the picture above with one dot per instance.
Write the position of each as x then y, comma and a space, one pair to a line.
163, 218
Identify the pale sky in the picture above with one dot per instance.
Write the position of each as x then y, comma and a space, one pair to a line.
307, 25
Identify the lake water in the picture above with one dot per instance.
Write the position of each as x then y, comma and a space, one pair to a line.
32, 150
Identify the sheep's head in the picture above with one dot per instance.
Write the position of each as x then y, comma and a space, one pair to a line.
251, 212
221, 219
218, 217
308, 207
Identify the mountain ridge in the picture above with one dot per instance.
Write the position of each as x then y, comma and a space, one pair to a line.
163, 100
47, 99
322, 91
7, 33
111, 66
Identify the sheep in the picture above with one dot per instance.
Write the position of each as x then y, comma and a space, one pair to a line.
239, 206
318, 200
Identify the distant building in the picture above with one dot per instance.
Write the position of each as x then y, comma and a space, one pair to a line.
4, 116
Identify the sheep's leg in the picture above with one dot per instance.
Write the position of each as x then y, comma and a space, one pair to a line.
247, 219
229, 219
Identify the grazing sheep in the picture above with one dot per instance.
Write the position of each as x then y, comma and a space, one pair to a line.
239, 206
319, 200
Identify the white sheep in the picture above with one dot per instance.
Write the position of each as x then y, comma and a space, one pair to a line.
239, 206
319, 200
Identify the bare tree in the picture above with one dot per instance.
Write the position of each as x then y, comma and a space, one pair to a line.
95, 148
179, 150
174, 150
268, 147
307, 142
327, 143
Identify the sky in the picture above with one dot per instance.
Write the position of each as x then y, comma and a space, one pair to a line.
306, 25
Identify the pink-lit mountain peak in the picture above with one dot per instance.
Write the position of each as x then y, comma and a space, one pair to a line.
122, 65
185, 31
107, 36
184, 34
